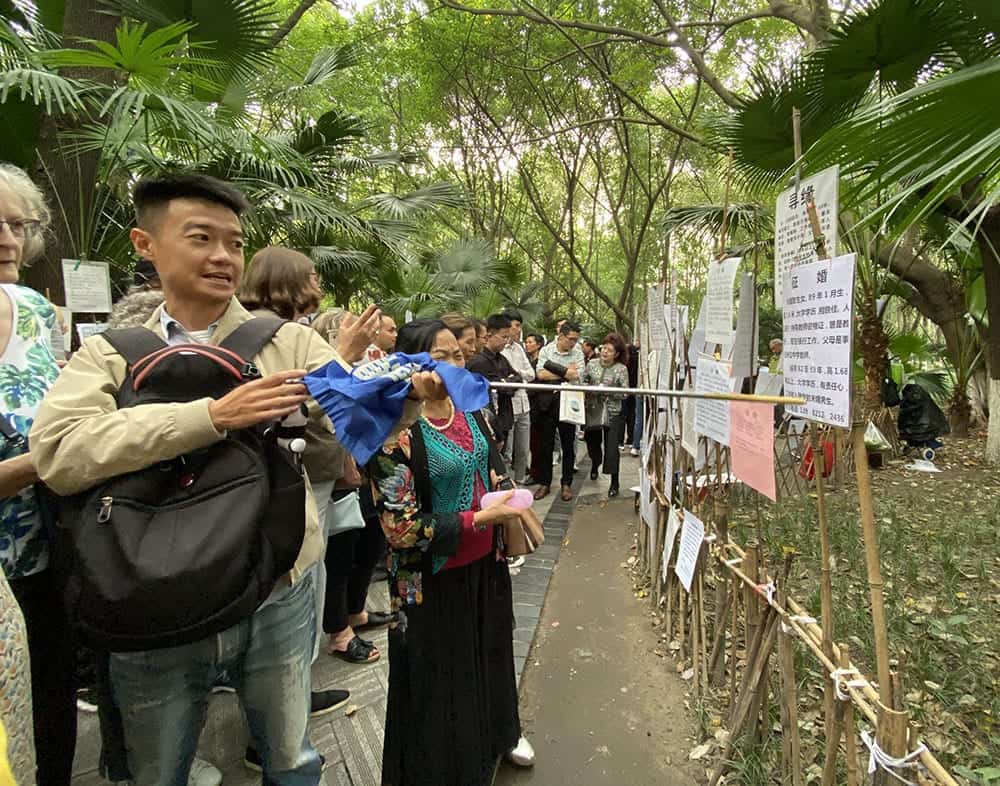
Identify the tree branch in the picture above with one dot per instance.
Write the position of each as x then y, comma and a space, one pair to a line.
293, 19
697, 60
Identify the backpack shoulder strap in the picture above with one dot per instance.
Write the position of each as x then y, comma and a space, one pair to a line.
252, 336
134, 344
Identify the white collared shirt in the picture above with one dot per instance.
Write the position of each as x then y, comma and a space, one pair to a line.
175, 333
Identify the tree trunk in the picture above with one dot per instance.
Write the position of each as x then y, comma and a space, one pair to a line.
959, 413
874, 346
993, 435
69, 182
988, 240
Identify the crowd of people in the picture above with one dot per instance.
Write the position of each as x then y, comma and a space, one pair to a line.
412, 513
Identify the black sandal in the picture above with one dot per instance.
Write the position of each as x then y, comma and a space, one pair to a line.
377, 619
358, 651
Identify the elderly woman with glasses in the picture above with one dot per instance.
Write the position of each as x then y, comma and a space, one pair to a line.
27, 370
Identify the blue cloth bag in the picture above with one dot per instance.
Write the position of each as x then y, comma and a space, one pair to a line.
366, 403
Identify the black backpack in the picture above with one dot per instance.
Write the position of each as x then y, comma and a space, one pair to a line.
186, 548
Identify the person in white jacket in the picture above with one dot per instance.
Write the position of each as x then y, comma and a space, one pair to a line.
516, 449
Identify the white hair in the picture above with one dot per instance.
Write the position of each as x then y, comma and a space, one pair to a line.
15, 183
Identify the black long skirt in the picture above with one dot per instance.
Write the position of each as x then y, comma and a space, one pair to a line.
452, 705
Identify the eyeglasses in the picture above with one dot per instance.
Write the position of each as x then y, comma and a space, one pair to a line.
21, 227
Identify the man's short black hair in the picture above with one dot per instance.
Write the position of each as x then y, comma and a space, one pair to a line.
495, 322
539, 338
151, 193
570, 327
515, 316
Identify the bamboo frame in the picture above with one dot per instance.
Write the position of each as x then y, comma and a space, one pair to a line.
649, 392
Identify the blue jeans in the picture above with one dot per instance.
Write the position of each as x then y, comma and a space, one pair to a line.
163, 694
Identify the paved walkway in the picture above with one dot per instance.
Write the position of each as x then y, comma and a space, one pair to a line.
352, 743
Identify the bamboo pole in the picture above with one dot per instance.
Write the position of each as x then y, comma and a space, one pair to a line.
695, 629
750, 688
702, 633
826, 606
648, 392
849, 725
717, 665
892, 732
875, 585
865, 698
734, 637
791, 749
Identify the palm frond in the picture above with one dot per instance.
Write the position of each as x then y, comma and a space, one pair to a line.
467, 267
422, 200
933, 139
760, 132
748, 219
239, 31
327, 135
148, 57
331, 260
329, 62
279, 205
41, 86
890, 44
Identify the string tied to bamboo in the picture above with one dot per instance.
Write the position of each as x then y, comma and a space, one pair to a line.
797, 619
767, 591
878, 758
846, 678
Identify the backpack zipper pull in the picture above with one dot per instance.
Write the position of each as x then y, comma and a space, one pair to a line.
104, 514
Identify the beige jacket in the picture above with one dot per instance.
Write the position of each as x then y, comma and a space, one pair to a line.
80, 438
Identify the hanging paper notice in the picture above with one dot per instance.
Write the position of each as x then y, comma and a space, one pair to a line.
745, 343
654, 313
769, 384
571, 407
647, 500
88, 286
87, 329
673, 524
711, 418
692, 535
697, 343
668, 469
719, 300
62, 333
817, 315
689, 437
751, 430
793, 237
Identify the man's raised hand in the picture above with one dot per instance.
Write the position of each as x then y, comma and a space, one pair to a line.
269, 398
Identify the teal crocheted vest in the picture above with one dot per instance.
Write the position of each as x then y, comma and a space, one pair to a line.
453, 469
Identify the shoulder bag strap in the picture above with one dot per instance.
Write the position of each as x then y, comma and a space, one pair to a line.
252, 336
134, 344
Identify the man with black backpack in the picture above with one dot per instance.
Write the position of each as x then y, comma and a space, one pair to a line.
188, 529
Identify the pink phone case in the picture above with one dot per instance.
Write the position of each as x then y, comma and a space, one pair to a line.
522, 499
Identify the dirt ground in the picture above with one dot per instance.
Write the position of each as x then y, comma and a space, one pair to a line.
599, 706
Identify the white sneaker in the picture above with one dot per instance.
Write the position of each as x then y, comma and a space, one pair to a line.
515, 562
522, 754
634, 452
204, 774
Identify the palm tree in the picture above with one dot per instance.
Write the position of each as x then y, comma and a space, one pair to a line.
860, 94
155, 101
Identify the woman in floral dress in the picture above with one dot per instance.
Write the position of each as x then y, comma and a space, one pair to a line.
452, 704
27, 370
